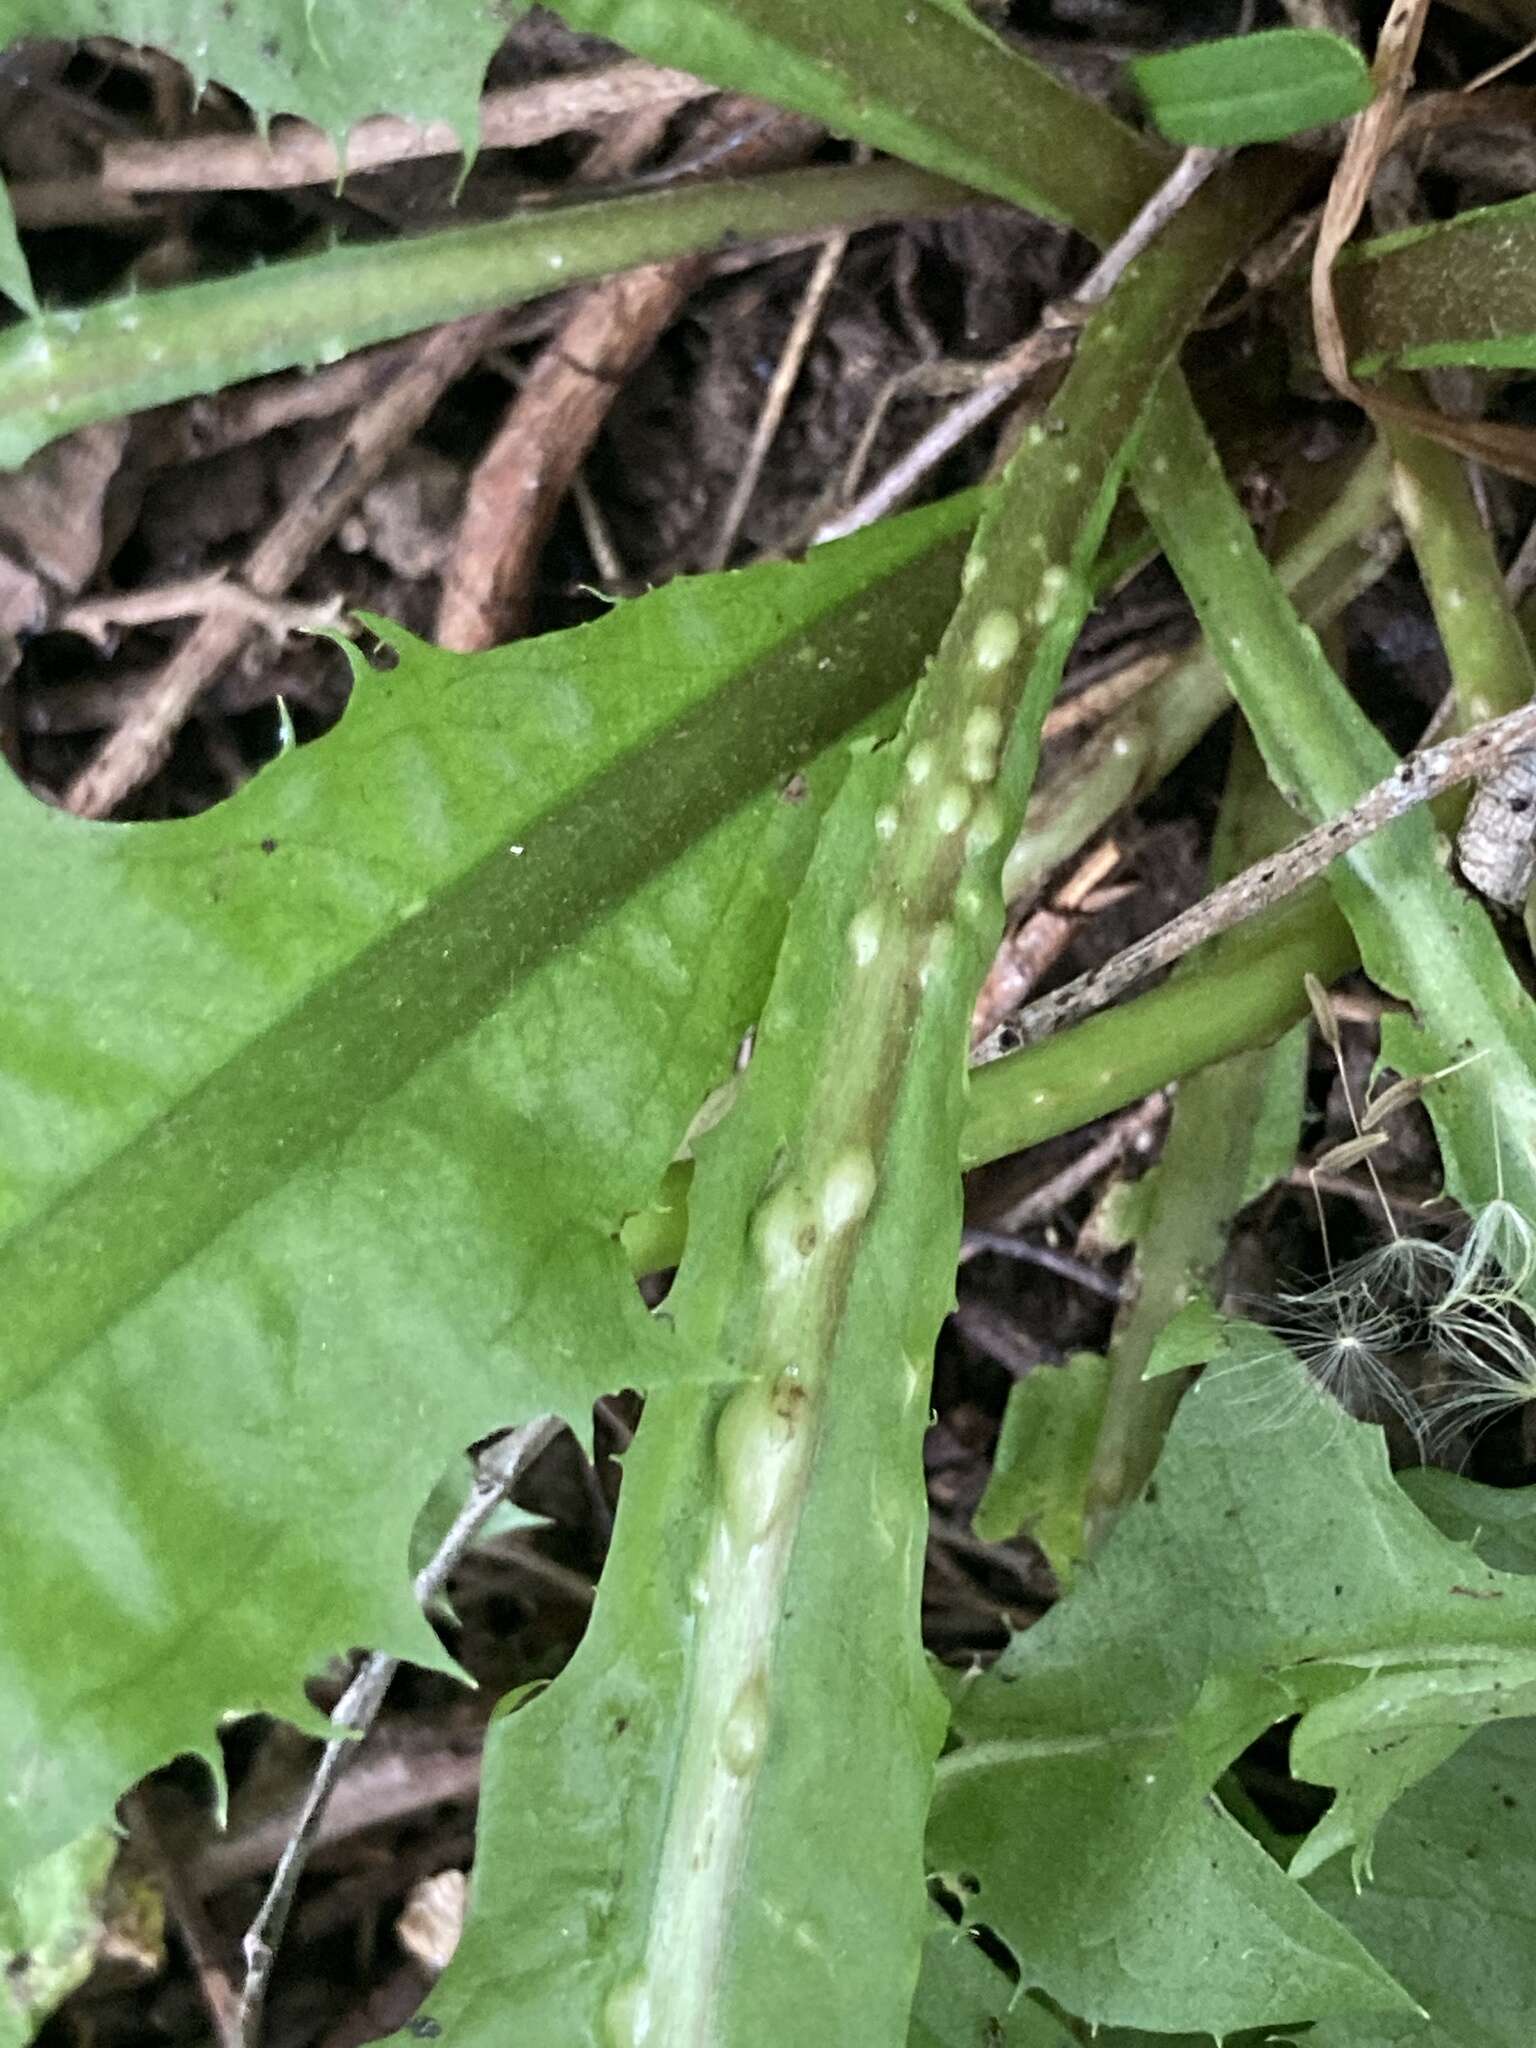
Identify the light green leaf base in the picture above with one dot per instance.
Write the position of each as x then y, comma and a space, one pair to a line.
1275, 1568
1039, 1481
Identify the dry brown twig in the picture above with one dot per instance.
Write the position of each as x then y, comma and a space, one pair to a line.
298, 154
524, 474
243, 413
1065, 1265
199, 427
1053, 338
1100, 700
1028, 953
1370, 137
1368, 1195
1474, 105
786, 372
497, 1471
1133, 1131
97, 703
77, 202
1485, 78
1372, 133
1417, 780
535, 455
344, 469
205, 1950
600, 541
97, 618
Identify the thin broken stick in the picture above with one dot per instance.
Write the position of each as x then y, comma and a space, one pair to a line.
497, 1471
524, 473
297, 154
347, 464
97, 618
1418, 779
1041, 1204
786, 373
1027, 954
1047, 343
1096, 702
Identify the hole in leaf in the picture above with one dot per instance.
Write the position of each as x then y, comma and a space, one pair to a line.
996, 1950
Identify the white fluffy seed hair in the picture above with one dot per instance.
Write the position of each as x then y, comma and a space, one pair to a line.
1464, 1307
1471, 1309
1349, 1335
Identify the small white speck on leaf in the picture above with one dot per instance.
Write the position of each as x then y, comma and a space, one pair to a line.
864, 938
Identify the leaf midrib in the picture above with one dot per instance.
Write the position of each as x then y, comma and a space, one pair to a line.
146, 1209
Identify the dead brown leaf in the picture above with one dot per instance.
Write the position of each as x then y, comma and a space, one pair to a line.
1372, 133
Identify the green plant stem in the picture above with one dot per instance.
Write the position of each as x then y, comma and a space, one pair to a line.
926, 81
1421, 937
1339, 552
1099, 1066
1200, 1183
1492, 668
1248, 991
65, 370
824, 1243
1156, 1038
1458, 291
1240, 992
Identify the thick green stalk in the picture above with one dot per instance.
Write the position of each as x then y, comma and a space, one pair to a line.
1492, 668
854, 1090
1252, 990
1420, 936
1338, 554
65, 370
785, 1516
1456, 291
923, 79
1241, 991
1253, 979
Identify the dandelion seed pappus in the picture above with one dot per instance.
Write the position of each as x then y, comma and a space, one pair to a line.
1435, 1334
